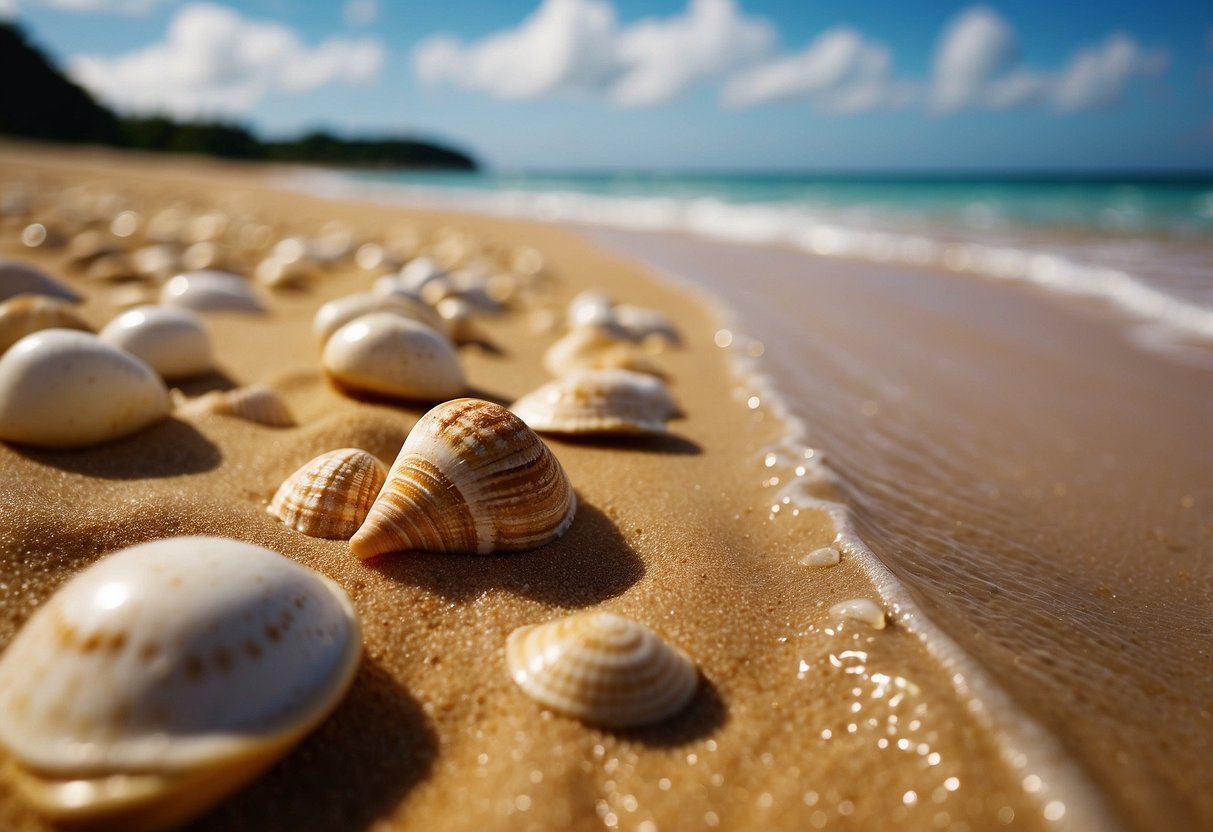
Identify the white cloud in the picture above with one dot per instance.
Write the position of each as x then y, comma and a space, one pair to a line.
132, 7
215, 62
840, 70
578, 47
359, 13
975, 46
8, 9
1097, 77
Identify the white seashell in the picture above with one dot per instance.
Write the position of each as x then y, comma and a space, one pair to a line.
257, 403
26, 314
642, 324
61, 388
17, 278
174, 342
330, 495
167, 675
393, 355
418, 272
599, 401
864, 610
596, 348
392, 285
590, 308
471, 478
210, 291
602, 668
158, 260
284, 274
337, 313
88, 245
825, 556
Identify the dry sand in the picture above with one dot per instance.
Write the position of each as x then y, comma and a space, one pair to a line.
798, 725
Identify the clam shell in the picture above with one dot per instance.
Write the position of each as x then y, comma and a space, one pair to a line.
471, 478
257, 403
596, 348
590, 308
418, 272
25, 314
62, 388
339, 312
599, 401
330, 495
210, 291
17, 278
602, 668
174, 342
641, 323
168, 674
393, 355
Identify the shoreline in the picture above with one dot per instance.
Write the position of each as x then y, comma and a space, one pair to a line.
301, 387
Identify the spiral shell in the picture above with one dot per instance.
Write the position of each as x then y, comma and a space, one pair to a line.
211, 291
60, 388
330, 496
258, 403
174, 342
599, 401
337, 313
593, 347
602, 668
167, 675
26, 314
392, 355
471, 478
18, 278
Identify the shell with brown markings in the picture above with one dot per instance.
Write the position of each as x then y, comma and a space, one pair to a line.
599, 401
330, 496
24, 314
471, 478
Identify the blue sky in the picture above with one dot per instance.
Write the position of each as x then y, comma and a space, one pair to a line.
701, 84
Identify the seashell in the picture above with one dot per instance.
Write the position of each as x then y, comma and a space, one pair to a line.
18, 278
339, 312
159, 260
418, 272
258, 403
25, 314
471, 478
174, 342
372, 257
391, 284
60, 388
459, 322
596, 348
283, 274
111, 268
393, 355
602, 668
642, 324
599, 401
169, 674
88, 245
825, 556
205, 255
210, 291
330, 496
864, 610
590, 308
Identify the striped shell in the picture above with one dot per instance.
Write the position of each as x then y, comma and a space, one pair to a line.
602, 668
25, 314
258, 403
18, 278
337, 313
165, 676
596, 348
395, 356
174, 342
330, 496
211, 291
599, 401
471, 478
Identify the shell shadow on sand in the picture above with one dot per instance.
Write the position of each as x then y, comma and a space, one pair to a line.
363, 761
199, 385
703, 716
666, 443
168, 448
590, 563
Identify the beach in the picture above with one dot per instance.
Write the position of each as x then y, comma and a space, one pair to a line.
1024, 490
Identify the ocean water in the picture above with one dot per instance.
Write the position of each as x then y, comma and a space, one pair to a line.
1143, 246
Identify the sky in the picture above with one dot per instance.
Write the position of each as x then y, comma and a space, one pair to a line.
817, 85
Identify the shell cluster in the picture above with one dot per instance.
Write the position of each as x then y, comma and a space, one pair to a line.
602, 668
167, 675
471, 478
330, 495
599, 401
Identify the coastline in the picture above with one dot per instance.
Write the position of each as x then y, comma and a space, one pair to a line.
730, 442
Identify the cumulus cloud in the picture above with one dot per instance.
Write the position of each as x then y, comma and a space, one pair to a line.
975, 46
215, 62
578, 47
361, 13
840, 70
1097, 77
134, 7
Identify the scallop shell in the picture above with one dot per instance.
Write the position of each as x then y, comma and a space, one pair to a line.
471, 478
174, 342
258, 403
393, 355
339, 312
210, 291
330, 496
167, 675
641, 324
17, 278
25, 314
602, 668
61, 388
596, 348
599, 401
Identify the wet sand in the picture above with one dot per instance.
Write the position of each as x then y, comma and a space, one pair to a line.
799, 723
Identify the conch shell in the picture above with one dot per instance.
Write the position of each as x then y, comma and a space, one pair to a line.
471, 478
330, 496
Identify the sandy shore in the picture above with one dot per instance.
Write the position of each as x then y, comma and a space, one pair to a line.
800, 724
